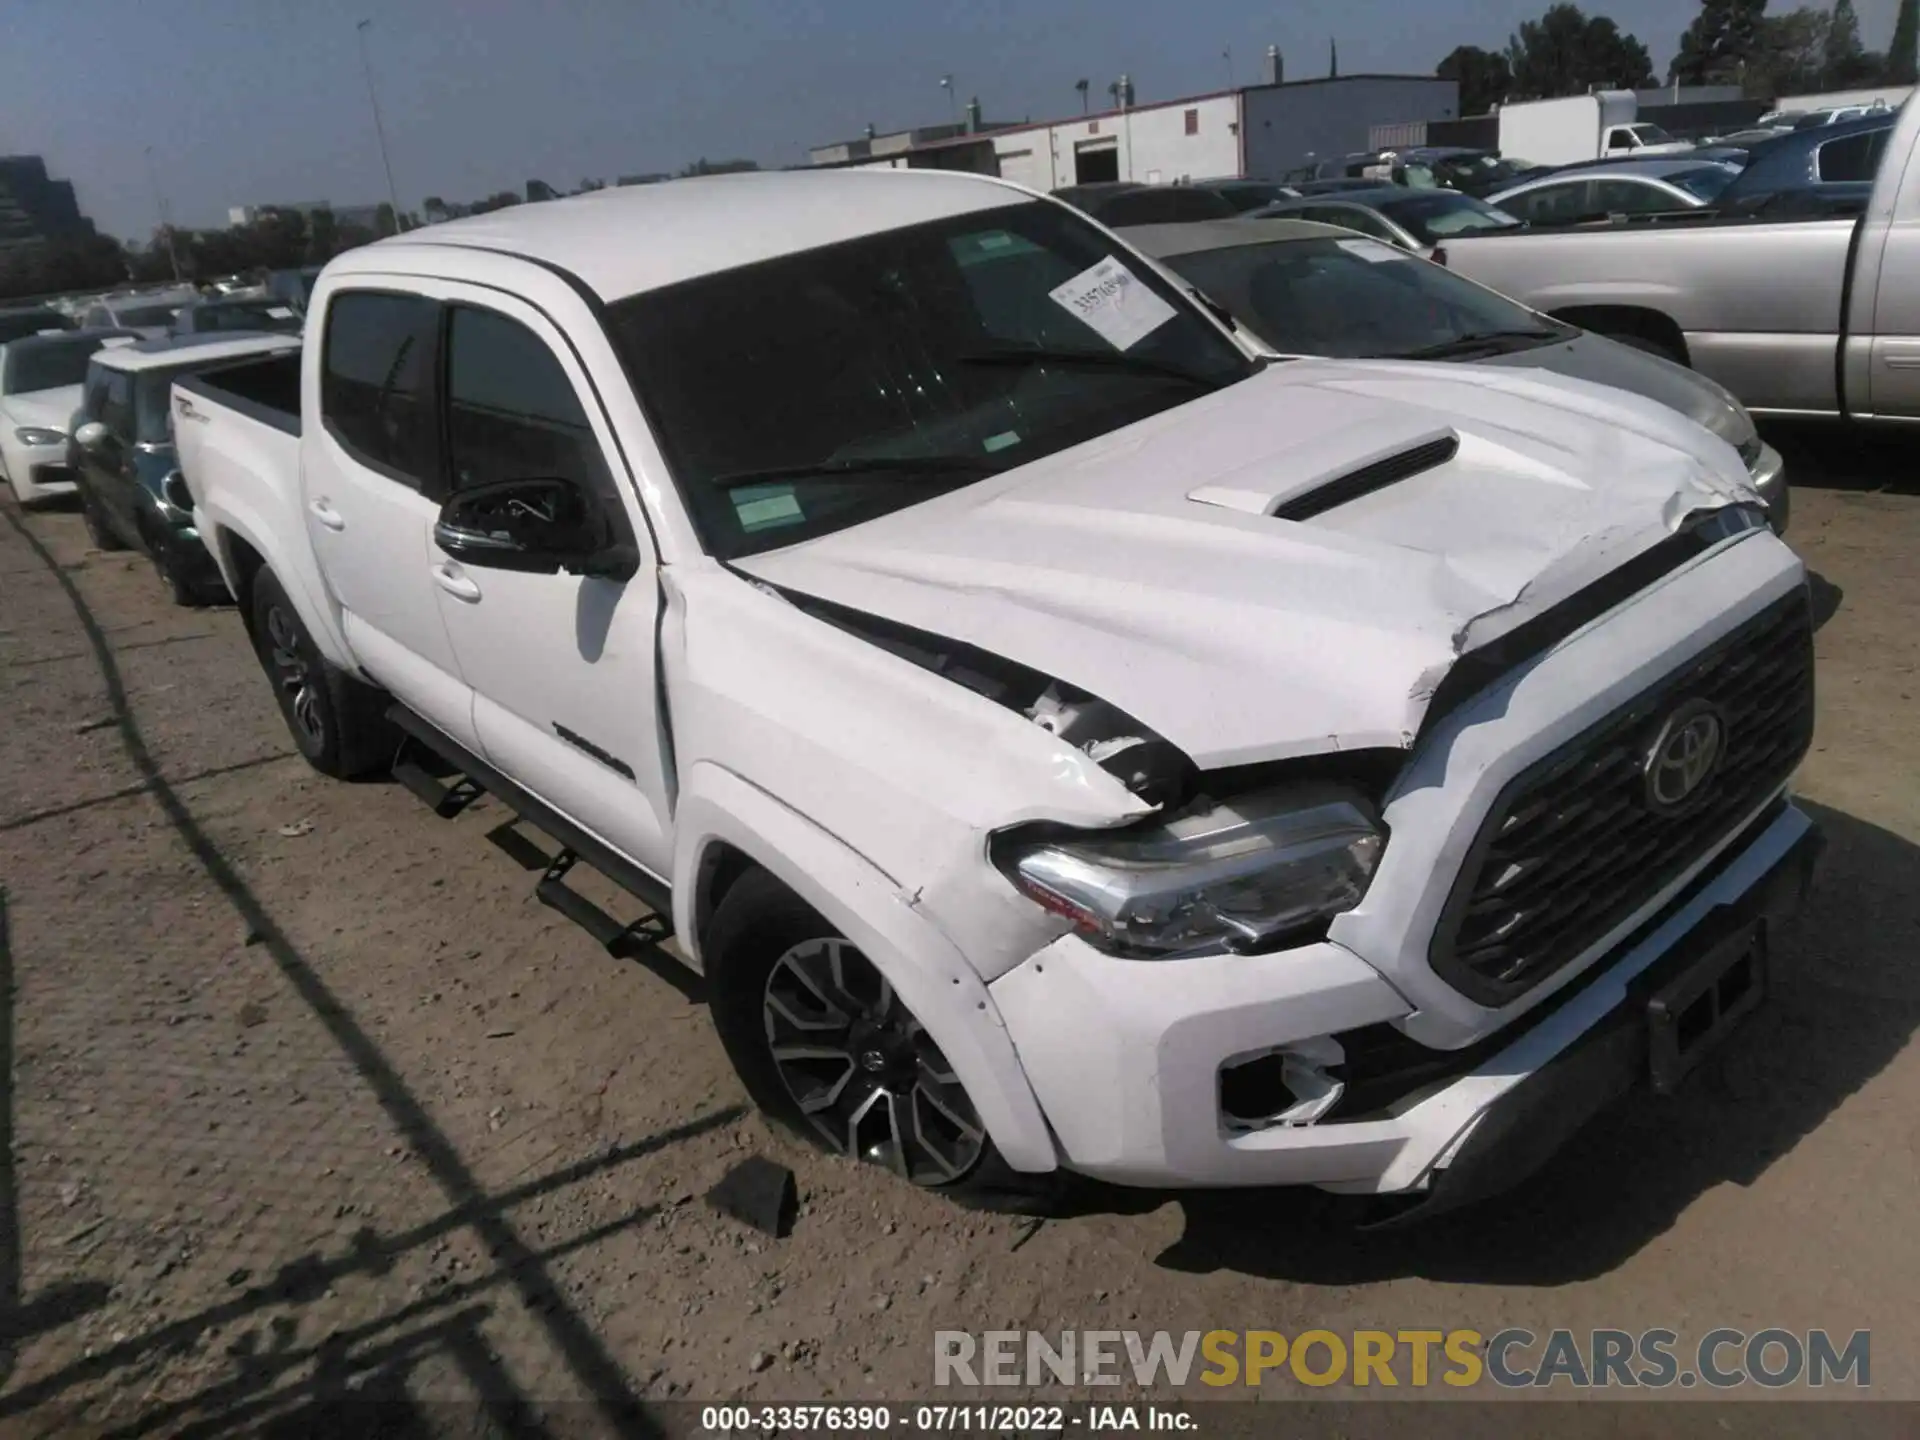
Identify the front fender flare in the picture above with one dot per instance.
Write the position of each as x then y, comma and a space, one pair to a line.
929, 974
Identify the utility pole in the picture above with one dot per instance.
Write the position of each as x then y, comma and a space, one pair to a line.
1227, 55
379, 130
166, 218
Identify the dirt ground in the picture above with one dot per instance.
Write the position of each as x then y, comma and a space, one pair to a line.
308, 1096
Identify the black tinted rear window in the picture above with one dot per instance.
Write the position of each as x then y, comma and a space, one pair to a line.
376, 390
1161, 205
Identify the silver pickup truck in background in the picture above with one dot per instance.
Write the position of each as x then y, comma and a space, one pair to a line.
1797, 317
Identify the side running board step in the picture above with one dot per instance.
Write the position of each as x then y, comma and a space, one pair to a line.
613, 935
445, 800
576, 844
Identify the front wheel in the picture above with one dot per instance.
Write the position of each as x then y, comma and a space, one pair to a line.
337, 722
99, 528
827, 1048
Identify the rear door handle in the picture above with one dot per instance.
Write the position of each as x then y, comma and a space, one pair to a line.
327, 515
455, 582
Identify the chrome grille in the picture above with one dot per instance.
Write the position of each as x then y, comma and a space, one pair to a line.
1572, 847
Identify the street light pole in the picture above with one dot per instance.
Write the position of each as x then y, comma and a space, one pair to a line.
379, 129
953, 97
166, 219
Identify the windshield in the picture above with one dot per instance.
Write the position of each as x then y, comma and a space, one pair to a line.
153, 405
1706, 183
817, 390
1431, 215
1651, 134
1353, 298
47, 365
145, 315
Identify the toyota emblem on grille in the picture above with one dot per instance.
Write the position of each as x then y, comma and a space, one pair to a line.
1683, 755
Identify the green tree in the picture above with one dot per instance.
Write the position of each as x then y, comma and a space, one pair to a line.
1791, 56
1722, 41
1902, 60
435, 209
704, 166
1566, 53
1482, 75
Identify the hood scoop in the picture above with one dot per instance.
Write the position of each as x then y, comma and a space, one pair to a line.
1401, 459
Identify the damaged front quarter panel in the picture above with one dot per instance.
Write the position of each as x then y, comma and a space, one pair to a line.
815, 714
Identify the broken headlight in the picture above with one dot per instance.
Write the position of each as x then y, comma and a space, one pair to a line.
1240, 874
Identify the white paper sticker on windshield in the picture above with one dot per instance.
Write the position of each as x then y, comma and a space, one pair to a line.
1374, 252
280, 312
1110, 299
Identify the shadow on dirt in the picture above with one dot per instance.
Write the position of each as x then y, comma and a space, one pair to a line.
397, 1340
1846, 1002
1825, 455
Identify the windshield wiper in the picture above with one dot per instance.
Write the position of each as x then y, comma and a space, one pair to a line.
923, 467
1490, 341
1093, 360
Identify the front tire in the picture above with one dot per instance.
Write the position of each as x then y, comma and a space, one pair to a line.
99, 528
338, 724
828, 1050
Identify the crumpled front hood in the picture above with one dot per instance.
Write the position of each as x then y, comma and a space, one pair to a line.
51, 409
1607, 362
1239, 636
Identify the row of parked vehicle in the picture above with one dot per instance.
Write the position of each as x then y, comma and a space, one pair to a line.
1173, 703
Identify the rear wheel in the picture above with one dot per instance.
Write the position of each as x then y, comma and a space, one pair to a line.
338, 723
827, 1048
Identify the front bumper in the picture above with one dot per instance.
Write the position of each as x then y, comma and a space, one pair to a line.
1125, 1056
1769, 477
39, 471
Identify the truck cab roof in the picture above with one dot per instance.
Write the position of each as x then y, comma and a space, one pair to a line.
701, 225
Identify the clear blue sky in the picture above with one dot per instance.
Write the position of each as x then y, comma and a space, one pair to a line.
251, 101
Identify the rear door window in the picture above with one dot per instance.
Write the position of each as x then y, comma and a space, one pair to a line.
376, 383
1629, 197
1852, 157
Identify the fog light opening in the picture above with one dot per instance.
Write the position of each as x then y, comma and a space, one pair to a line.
1285, 1087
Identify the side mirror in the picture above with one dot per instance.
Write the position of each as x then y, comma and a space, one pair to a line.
92, 436
538, 527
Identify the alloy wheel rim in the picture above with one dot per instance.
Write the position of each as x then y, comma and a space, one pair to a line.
294, 677
862, 1069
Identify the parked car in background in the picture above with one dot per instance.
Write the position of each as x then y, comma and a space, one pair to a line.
1593, 193
1825, 170
1472, 172
18, 323
1063, 741
40, 379
145, 315
204, 317
292, 287
1414, 220
1122, 202
1245, 195
1814, 316
1335, 186
1307, 289
126, 469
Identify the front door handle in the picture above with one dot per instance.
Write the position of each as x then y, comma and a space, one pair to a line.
327, 515
454, 581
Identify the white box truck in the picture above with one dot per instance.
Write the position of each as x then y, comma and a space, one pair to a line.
1599, 126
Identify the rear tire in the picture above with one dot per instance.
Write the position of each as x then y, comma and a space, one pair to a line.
829, 1052
338, 723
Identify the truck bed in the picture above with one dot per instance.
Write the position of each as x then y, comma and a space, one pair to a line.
1755, 304
264, 390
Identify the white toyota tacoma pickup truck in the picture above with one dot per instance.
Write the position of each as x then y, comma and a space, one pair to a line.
1065, 742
